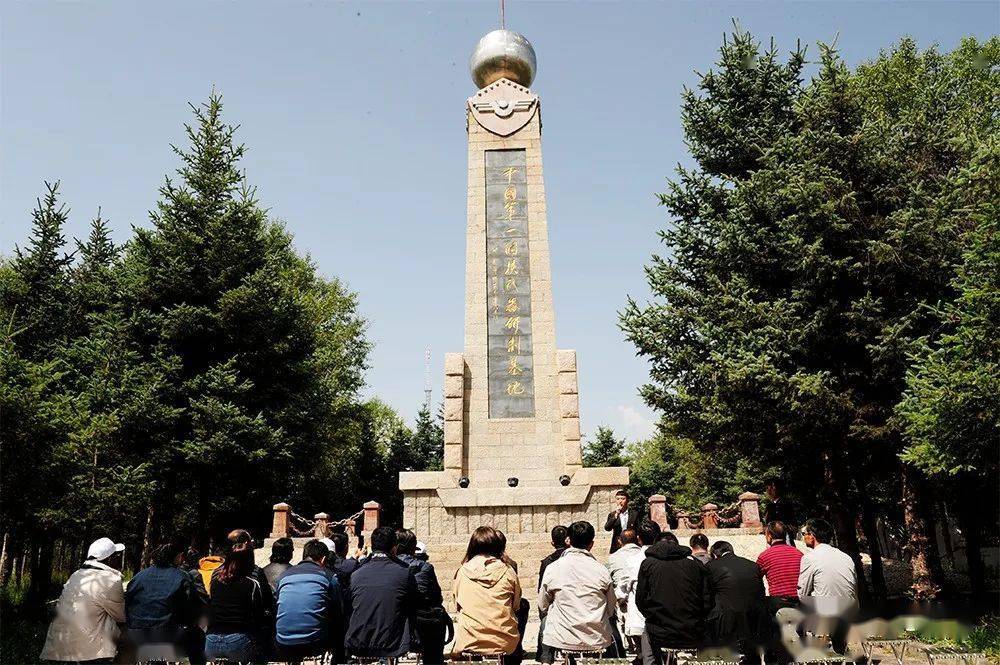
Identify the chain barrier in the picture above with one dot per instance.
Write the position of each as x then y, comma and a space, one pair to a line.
348, 520
728, 516
301, 527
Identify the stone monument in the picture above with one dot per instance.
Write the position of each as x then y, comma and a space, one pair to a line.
512, 455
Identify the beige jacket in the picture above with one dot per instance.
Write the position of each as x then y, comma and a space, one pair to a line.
577, 592
487, 594
91, 605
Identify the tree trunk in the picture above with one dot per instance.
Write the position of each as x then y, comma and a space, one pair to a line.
971, 526
6, 559
41, 572
147, 535
870, 529
18, 571
920, 542
837, 499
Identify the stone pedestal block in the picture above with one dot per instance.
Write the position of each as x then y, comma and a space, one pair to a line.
279, 524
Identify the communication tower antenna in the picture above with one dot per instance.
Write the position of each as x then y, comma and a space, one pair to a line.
427, 377
503, 17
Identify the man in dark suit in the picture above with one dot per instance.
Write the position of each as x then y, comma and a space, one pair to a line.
738, 615
779, 509
560, 541
621, 519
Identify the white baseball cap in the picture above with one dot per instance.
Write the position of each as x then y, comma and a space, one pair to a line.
102, 548
421, 548
329, 544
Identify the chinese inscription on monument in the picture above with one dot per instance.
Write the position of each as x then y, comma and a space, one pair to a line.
511, 376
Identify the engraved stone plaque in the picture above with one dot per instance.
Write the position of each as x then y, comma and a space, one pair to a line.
508, 302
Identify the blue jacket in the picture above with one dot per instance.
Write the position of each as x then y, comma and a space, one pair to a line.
309, 606
383, 600
159, 598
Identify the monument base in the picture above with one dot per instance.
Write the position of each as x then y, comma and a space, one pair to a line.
444, 515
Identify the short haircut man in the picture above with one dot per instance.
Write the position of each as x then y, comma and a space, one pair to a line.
581, 535
648, 532
629, 537
310, 616
384, 540
578, 596
775, 531
828, 579
621, 518
340, 543
316, 551
406, 542
734, 583
560, 541
819, 529
780, 564
282, 550
669, 537
699, 547
384, 598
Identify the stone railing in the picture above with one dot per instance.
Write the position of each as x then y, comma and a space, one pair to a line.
287, 523
743, 513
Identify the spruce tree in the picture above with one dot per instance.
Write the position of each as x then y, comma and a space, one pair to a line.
426, 451
604, 450
35, 293
802, 257
254, 345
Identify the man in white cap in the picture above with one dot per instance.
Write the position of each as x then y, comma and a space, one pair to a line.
92, 604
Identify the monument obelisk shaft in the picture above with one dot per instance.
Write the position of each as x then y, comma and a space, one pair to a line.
512, 429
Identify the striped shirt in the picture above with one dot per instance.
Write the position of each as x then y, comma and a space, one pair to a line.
779, 563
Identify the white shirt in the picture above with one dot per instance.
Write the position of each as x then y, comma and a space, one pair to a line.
623, 518
828, 580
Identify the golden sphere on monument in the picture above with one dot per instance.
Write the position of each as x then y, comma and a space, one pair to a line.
503, 54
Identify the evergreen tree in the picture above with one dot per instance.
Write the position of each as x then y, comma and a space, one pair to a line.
951, 412
253, 344
35, 299
804, 250
35, 292
604, 450
426, 451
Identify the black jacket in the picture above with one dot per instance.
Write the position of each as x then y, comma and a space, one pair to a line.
273, 571
384, 599
780, 510
738, 614
614, 525
546, 561
672, 594
431, 598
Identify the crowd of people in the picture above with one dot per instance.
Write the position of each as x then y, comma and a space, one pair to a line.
653, 594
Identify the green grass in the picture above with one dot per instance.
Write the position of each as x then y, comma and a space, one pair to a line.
22, 632
984, 637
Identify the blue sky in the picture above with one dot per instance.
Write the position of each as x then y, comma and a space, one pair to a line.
353, 114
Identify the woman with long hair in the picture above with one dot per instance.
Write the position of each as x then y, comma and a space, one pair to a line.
488, 598
238, 605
